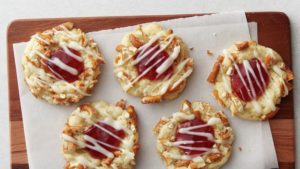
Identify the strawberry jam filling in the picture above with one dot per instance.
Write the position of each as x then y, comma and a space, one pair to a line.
151, 74
68, 60
261, 75
105, 137
199, 141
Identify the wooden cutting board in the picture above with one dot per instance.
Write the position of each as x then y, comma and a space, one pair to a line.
273, 32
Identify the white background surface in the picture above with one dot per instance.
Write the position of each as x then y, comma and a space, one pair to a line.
12, 9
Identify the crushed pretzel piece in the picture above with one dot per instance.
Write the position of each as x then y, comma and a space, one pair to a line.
88, 108
121, 104
169, 32
270, 115
44, 37
134, 41
191, 48
67, 165
223, 118
159, 125
216, 95
290, 75
268, 60
171, 89
214, 157
107, 161
151, 99
117, 153
119, 48
182, 163
212, 76
197, 114
242, 46
135, 148
67, 25
240, 148
224, 136
133, 116
208, 52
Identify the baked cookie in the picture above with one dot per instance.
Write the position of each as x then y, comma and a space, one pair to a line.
268, 75
61, 65
152, 63
196, 137
100, 135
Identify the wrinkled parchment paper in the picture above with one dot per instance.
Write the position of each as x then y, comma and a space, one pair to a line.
44, 122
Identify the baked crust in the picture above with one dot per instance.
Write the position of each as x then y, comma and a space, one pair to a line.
151, 91
41, 81
166, 129
83, 118
277, 88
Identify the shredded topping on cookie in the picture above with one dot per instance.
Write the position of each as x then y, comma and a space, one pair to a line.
61, 65
103, 139
154, 64
194, 137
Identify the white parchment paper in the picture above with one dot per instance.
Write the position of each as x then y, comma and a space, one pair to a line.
44, 122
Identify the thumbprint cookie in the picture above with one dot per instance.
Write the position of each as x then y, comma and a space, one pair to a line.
152, 63
196, 137
101, 135
250, 79
61, 65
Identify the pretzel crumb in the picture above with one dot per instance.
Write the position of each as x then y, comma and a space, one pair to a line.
191, 48
208, 52
215, 34
241, 149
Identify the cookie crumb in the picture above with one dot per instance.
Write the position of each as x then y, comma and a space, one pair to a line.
208, 52
241, 149
191, 48
215, 34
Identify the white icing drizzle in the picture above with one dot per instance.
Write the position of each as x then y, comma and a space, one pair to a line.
58, 63
226, 84
82, 160
142, 55
36, 36
180, 115
72, 54
162, 48
167, 63
179, 68
195, 157
285, 87
212, 121
76, 46
278, 70
281, 73
95, 146
257, 106
185, 75
41, 72
55, 89
239, 72
126, 87
271, 53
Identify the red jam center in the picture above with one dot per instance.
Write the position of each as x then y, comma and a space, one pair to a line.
68, 60
152, 75
239, 88
103, 136
199, 141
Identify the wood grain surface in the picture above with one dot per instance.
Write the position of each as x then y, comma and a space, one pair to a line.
273, 32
